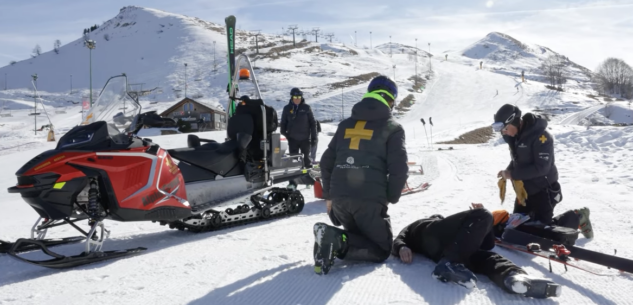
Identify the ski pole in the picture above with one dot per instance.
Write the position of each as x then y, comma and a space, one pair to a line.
425, 134
431, 123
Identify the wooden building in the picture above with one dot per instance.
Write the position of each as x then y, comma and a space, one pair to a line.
201, 117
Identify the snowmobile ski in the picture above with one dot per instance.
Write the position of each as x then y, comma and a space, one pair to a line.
556, 256
61, 262
27, 246
610, 261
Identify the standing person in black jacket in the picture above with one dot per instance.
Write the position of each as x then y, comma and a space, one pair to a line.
363, 169
298, 126
461, 245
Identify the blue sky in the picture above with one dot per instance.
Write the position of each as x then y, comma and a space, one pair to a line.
586, 31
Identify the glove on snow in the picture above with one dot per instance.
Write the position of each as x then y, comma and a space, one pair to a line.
502, 189
519, 189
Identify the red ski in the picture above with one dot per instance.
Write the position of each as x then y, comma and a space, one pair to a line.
411, 190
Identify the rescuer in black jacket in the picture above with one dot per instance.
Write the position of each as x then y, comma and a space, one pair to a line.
532, 169
363, 169
299, 126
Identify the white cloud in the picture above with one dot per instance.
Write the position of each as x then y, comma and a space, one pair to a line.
489, 3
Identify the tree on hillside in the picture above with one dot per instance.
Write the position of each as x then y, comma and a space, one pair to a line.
614, 76
56, 46
552, 68
37, 51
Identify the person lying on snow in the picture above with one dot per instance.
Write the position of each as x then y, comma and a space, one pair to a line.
461, 245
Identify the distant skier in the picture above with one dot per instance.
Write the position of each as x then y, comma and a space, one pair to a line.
299, 126
363, 169
445, 57
522, 77
532, 169
460, 244
481, 65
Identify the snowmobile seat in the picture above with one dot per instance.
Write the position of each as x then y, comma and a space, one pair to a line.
194, 141
220, 158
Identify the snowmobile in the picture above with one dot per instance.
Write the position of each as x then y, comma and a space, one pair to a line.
101, 171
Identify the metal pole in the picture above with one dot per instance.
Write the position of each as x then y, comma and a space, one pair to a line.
416, 64
185, 80
34, 76
390, 51
430, 63
5, 81
342, 106
256, 44
71, 84
90, 77
370, 41
355, 39
214, 67
90, 44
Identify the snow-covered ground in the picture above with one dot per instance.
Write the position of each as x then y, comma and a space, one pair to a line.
271, 262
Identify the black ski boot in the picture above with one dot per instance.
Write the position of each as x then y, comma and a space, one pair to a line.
530, 286
330, 243
446, 271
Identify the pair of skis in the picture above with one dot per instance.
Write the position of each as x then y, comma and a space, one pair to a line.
568, 255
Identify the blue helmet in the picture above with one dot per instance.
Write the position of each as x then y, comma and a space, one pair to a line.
296, 92
383, 82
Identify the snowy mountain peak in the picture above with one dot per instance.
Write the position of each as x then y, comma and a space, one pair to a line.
498, 46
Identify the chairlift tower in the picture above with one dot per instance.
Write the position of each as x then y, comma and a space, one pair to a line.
293, 28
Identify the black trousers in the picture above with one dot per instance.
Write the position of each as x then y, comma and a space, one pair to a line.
294, 146
463, 238
538, 206
367, 226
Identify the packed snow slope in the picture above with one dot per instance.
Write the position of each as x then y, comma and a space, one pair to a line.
271, 263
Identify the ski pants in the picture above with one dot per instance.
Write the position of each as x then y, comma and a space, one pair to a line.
304, 145
313, 151
462, 238
368, 228
540, 208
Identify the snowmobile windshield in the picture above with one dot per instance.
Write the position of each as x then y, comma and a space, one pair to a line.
114, 106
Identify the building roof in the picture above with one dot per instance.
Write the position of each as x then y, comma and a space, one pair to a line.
198, 104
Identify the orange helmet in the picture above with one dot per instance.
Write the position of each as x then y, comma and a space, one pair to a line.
500, 216
245, 74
